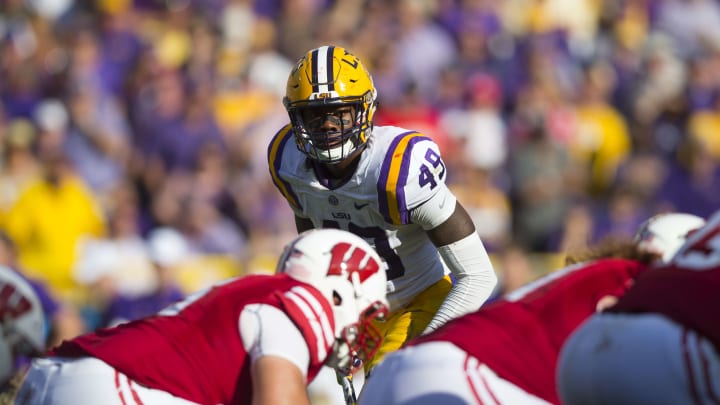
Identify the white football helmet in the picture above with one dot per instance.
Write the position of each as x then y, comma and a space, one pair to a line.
702, 249
664, 234
21, 322
349, 272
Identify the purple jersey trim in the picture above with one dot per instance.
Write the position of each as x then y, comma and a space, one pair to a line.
274, 154
394, 196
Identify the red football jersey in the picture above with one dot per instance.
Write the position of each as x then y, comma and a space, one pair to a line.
688, 289
520, 336
195, 351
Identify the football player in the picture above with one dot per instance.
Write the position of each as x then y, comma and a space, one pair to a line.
256, 339
22, 324
385, 184
506, 352
660, 344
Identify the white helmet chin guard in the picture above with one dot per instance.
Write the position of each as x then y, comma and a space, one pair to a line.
21, 322
351, 275
664, 234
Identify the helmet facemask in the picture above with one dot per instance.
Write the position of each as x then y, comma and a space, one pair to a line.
348, 129
360, 340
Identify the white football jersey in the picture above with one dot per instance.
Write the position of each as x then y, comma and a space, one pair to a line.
398, 171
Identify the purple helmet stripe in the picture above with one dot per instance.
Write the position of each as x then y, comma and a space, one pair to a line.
330, 74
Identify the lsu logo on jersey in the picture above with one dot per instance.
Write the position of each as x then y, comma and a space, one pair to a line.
341, 215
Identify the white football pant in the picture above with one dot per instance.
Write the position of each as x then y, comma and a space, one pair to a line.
439, 373
86, 381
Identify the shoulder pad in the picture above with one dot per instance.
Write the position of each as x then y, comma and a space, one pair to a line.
275, 158
410, 173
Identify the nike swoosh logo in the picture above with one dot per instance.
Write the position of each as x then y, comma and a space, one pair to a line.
360, 206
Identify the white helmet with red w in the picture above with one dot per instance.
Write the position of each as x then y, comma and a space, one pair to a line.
665, 233
21, 322
349, 272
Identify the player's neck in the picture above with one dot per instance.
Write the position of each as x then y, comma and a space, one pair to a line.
341, 170
345, 168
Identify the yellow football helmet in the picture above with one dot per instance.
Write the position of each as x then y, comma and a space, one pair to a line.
330, 84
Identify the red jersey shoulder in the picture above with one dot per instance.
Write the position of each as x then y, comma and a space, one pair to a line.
578, 277
312, 313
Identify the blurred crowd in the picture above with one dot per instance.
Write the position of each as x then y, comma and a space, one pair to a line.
133, 133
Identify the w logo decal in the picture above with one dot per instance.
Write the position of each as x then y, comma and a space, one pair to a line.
12, 303
344, 262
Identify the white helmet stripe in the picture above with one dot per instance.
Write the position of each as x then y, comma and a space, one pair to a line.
324, 68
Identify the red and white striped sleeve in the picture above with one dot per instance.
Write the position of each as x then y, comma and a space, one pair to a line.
312, 314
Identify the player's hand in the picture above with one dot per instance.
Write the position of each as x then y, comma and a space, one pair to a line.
353, 366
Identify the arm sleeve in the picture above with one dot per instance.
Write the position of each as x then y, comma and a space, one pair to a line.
475, 279
268, 331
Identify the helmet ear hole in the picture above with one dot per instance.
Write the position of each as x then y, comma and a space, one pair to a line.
337, 299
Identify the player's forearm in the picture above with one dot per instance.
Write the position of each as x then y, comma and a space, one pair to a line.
277, 381
476, 279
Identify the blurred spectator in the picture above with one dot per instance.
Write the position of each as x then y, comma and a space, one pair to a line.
174, 129
120, 43
578, 230
167, 250
487, 204
98, 142
602, 141
541, 174
622, 217
577, 18
20, 87
704, 127
210, 232
297, 19
478, 129
423, 48
266, 67
693, 181
236, 24
55, 212
19, 165
663, 80
515, 269
694, 25
117, 264
702, 82
416, 111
